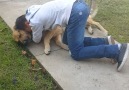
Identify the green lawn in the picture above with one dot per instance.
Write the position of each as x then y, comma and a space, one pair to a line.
114, 16
14, 67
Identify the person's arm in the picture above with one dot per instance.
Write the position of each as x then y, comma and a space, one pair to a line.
37, 32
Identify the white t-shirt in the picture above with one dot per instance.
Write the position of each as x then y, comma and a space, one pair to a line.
46, 16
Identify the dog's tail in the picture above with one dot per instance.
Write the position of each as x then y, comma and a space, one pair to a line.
93, 8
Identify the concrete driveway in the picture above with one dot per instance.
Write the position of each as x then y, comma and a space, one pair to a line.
92, 74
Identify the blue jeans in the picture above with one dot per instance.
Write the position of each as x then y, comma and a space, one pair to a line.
85, 47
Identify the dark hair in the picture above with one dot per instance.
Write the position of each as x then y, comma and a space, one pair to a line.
20, 22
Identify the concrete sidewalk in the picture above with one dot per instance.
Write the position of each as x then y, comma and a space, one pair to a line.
93, 74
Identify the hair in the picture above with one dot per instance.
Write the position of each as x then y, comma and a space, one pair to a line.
20, 22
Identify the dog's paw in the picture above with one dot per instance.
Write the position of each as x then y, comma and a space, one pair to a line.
47, 51
90, 30
65, 47
106, 33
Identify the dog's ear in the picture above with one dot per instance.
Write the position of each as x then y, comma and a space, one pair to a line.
16, 35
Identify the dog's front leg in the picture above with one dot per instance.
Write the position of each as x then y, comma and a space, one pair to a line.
47, 46
47, 39
58, 41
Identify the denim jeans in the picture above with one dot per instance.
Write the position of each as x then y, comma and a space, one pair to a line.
85, 47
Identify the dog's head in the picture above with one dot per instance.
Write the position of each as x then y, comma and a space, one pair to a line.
21, 30
21, 36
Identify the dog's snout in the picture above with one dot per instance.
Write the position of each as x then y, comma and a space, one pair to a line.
25, 42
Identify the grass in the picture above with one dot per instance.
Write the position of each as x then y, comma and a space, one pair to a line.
114, 16
14, 67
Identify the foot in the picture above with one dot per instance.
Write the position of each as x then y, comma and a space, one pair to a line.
123, 56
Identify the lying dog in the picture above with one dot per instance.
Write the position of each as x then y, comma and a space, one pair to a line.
23, 37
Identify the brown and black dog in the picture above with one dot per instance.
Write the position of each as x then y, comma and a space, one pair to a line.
56, 33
